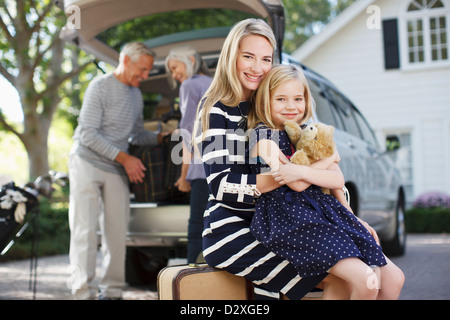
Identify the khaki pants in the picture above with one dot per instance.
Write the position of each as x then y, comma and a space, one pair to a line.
97, 198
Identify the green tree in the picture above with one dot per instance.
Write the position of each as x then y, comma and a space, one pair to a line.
33, 60
144, 28
305, 18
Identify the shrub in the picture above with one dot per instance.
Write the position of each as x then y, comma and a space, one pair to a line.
430, 213
434, 199
427, 220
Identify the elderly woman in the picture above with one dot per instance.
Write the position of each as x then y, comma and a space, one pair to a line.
184, 65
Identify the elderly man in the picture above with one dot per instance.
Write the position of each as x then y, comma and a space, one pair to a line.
99, 169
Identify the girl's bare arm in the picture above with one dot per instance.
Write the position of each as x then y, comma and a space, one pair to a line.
324, 173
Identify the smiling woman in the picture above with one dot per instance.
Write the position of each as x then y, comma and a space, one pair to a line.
253, 62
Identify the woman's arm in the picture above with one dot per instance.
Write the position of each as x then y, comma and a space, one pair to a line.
225, 183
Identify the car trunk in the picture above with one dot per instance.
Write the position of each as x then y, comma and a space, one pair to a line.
96, 16
89, 23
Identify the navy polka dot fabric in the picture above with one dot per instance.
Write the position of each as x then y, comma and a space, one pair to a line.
310, 229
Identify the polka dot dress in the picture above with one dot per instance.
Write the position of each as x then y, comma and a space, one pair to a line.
310, 229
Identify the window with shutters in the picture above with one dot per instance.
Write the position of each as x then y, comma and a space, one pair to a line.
426, 33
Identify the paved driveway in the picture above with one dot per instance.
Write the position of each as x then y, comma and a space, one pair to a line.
51, 284
426, 266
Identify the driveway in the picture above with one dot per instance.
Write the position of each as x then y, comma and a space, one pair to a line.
51, 284
425, 264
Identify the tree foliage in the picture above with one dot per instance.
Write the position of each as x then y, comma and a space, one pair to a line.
32, 59
305, 18
144, 28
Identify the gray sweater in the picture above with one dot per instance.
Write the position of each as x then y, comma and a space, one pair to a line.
111, 117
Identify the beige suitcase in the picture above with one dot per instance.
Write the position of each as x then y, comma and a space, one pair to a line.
201, 282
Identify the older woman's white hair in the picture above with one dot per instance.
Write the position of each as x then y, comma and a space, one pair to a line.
183, 54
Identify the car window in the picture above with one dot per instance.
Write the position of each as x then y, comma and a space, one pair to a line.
366, 131
345, 110
324, 109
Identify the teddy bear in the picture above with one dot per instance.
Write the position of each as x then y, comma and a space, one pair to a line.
312, 142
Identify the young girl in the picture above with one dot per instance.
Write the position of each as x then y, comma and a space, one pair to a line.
312, 230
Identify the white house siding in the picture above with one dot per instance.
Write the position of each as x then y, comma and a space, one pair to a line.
393, 101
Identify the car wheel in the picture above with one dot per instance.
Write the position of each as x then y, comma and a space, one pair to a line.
397, 246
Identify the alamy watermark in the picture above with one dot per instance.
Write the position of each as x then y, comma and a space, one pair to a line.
374, 20
73, 13
222, 146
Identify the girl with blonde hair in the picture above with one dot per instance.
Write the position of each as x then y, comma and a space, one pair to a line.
312, 230
285, 73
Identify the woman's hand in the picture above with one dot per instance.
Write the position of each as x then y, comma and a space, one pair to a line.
183, 185
370, 229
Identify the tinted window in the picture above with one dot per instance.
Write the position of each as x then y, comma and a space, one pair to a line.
324, 109
366, 131
345, 110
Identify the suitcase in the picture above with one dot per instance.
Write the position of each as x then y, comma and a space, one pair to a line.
201, 282
161, 173
152, 189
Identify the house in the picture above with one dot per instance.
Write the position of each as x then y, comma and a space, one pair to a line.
391, 58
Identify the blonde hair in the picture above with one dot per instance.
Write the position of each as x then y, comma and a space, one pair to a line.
225, 86
276, 77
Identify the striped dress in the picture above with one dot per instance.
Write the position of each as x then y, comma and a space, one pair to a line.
227, 241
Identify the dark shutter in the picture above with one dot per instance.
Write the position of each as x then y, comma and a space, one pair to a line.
391, 45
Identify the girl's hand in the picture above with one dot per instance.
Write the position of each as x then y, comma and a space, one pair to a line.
284, 173
287, 173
